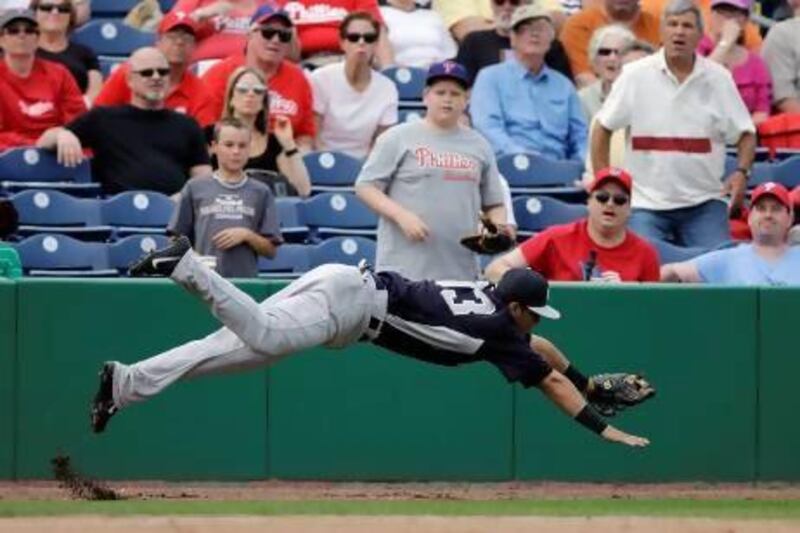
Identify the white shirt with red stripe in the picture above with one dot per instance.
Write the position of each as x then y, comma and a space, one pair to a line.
675, 148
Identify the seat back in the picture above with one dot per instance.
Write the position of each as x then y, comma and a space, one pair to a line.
671, 253
345, 250
35, 165
410, 82
289, 259
787, 172
125, 251
110, 37
146, 209
53, 208
112, 8
60, 252
338, 210
535, 213
529, 170
331, 169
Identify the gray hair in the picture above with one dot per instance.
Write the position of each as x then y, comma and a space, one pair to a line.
612, 30
679, 7
639, 46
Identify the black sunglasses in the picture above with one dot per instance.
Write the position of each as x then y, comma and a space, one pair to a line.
150, 72
49, 8
283, 35
603, 197
607, 51
514, 3
369, 38
16, 30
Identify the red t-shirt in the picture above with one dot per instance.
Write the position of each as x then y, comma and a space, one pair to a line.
222, 35
289, 93
317, 21
560, 252
190, 97
48, 97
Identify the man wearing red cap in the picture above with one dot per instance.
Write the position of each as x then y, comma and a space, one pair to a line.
768, 260
187, 94
596, 248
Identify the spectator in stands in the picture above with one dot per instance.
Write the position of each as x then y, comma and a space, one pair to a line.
186, 93
56, 19
681, 110
428, 180
268, 44
273, 155
352, 103
780, 53
596, 248
724, 44
138, 146
579, 28
227, 215
417, 36
605, 53
221, 25
768, 260
482, 48
463, 17
522, 105
794, 233
35, 94
318, 23
83, 11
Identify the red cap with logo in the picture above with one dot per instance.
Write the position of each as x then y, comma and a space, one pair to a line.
773, 189
174, 19
612, 173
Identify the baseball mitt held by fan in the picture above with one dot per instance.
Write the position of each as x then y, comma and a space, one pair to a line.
615, 392
491, 240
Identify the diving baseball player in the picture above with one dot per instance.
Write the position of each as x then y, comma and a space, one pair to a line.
440, 322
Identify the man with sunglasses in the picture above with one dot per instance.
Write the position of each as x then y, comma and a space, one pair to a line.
35, 94
268, 44
186, 93
596, 248
142, 145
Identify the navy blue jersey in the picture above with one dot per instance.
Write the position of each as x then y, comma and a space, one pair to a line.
454, 322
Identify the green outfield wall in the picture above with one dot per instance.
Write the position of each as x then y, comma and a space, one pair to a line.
725, 362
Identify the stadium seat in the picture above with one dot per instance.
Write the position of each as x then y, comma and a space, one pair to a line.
410, 115
410, 83
534, 174
31, 168
110, 64
787, 172
59, 255
112, 8
333, 214
346, 250
535, 213
763, 171
331, 171
290, 218
43, 211
134, 212
290, 262
109, 37
671, 253
125, 251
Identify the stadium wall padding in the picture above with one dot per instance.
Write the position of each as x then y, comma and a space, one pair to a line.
725, 362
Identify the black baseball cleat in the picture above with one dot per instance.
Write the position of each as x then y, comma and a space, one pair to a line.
161, 262
103, 407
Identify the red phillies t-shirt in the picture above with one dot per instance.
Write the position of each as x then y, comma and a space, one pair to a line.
317, 21
221, 35
560, 253
190, 97
289, 93
48, 97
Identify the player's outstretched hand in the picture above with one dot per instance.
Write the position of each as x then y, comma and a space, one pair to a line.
615, 435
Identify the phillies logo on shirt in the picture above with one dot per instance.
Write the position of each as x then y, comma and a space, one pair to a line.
36, 110
232, 24
317, 14
280, 105
459, 166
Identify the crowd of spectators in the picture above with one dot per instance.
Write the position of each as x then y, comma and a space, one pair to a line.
650, 94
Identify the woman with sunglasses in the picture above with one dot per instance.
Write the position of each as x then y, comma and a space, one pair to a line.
352, 103
599, 247
605, 54
274, 156
56, 20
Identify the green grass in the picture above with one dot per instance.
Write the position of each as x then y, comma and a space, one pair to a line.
780, 509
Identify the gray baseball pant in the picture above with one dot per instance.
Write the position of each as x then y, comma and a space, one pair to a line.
330, 305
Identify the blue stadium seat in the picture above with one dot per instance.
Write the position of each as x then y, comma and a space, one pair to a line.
410, 83
671, 253
290, 218
31, 168
345, 250
109, 37
59, 255
332, 171
332, 214
535, 213
110, 64
534, 174
290, 262
43, 211
112, 8
410, 115
763, 171
125, 251
787, 172
134, 212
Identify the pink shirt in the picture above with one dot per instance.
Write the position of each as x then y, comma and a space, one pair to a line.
752, 78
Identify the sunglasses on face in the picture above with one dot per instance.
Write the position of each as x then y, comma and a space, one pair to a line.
150, 72
368, 38
16, 30
283, 35
607, 51
603, 197
52, 8
258, 90
514, 3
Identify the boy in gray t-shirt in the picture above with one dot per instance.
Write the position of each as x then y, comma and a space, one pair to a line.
227, 215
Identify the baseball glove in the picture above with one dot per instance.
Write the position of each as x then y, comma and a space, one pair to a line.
490, 241
615, 392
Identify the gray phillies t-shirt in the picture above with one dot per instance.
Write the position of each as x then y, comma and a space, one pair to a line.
209, 205
445, 177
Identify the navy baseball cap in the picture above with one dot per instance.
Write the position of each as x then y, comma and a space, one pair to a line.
447, 70
529, 288
266, 13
